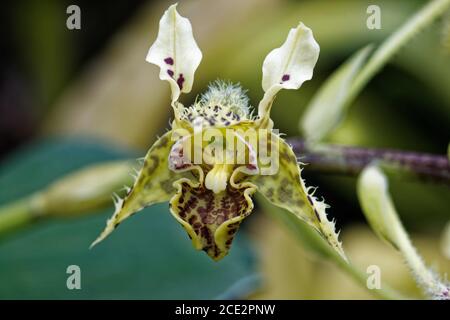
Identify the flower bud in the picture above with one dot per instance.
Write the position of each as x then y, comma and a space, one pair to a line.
377, 204
85, 190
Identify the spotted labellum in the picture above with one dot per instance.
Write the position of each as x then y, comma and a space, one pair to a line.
217, 154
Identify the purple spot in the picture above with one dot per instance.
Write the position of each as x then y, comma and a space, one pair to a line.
180, 81
170, 73
169, 60
285, 77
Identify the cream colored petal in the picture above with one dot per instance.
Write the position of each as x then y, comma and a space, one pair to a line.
175, 52
288, 66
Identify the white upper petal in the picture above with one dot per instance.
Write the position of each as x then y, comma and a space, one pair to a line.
175, 52
288, 66
291, 64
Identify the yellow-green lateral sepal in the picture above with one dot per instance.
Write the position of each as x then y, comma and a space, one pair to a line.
287, 190
153, 184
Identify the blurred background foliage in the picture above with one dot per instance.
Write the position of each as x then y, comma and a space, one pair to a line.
71, 98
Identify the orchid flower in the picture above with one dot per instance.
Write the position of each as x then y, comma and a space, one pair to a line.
207, 195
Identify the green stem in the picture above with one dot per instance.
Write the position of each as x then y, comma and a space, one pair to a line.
17, 214
395, 42
385, 292
86, 190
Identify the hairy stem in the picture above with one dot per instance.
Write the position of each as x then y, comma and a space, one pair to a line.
349, 160
426, 279
379, 209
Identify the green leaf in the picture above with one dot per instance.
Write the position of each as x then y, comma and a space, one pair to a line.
328, 106
149, 258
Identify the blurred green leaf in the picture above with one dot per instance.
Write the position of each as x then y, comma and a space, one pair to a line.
395, 42
328, 105
149, 257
